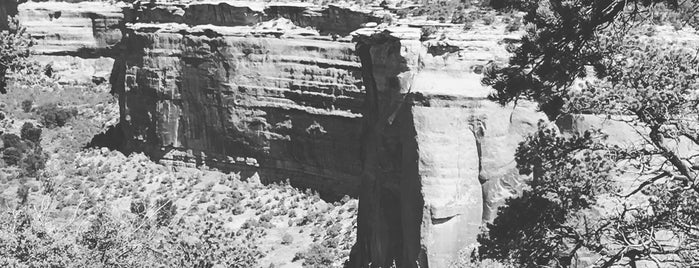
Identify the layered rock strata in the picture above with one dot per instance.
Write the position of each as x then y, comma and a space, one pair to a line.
76, 39
331, 19
438, 156
241, 98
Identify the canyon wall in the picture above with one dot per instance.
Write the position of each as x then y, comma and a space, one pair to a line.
239, 89
76, 39
280, 90
438, 156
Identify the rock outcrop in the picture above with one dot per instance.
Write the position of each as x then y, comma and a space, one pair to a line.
332, 19
86, 29
76, 39
274, 97
438, 156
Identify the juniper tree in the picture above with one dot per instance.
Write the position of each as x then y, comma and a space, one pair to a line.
649, 85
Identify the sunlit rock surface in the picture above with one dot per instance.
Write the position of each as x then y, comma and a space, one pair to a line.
242, 94
439, 156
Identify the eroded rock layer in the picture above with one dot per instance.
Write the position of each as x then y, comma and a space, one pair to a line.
327, 20
213, 95
87, 29
439, 156
76, 39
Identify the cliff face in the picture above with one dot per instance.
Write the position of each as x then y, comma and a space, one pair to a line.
439, 157
77, 39
403, 124
87, 29
327, 20
273, 98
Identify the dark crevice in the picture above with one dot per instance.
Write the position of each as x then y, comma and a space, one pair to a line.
112, 139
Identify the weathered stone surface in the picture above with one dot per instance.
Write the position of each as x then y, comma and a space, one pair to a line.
293, 103
87, 29
332, 19
438, 156
76, 39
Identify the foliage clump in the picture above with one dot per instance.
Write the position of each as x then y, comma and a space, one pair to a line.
14, 51
632, 79
24, 151
52, 115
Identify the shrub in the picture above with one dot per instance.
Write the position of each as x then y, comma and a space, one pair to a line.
14, 50
34, 161
139, 208
489, 18
316, 256
23, 243
12, 141
514, 24
11, 156
30, 132
54, 116
287, 239
427, 32
23, 194
27, 105
267, 217
335, 230
165, 211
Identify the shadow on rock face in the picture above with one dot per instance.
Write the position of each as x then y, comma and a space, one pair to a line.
113, 139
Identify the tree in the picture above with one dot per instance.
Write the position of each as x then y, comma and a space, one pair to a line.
545, 225
563, 38
648, 84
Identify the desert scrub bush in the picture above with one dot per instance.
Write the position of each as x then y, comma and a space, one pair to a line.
139, 208
27, 105
287, 239
11, 156
165, 211
14, 51
30, 132
10, 140
53, 115
316, 256
514, 24
26, 243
